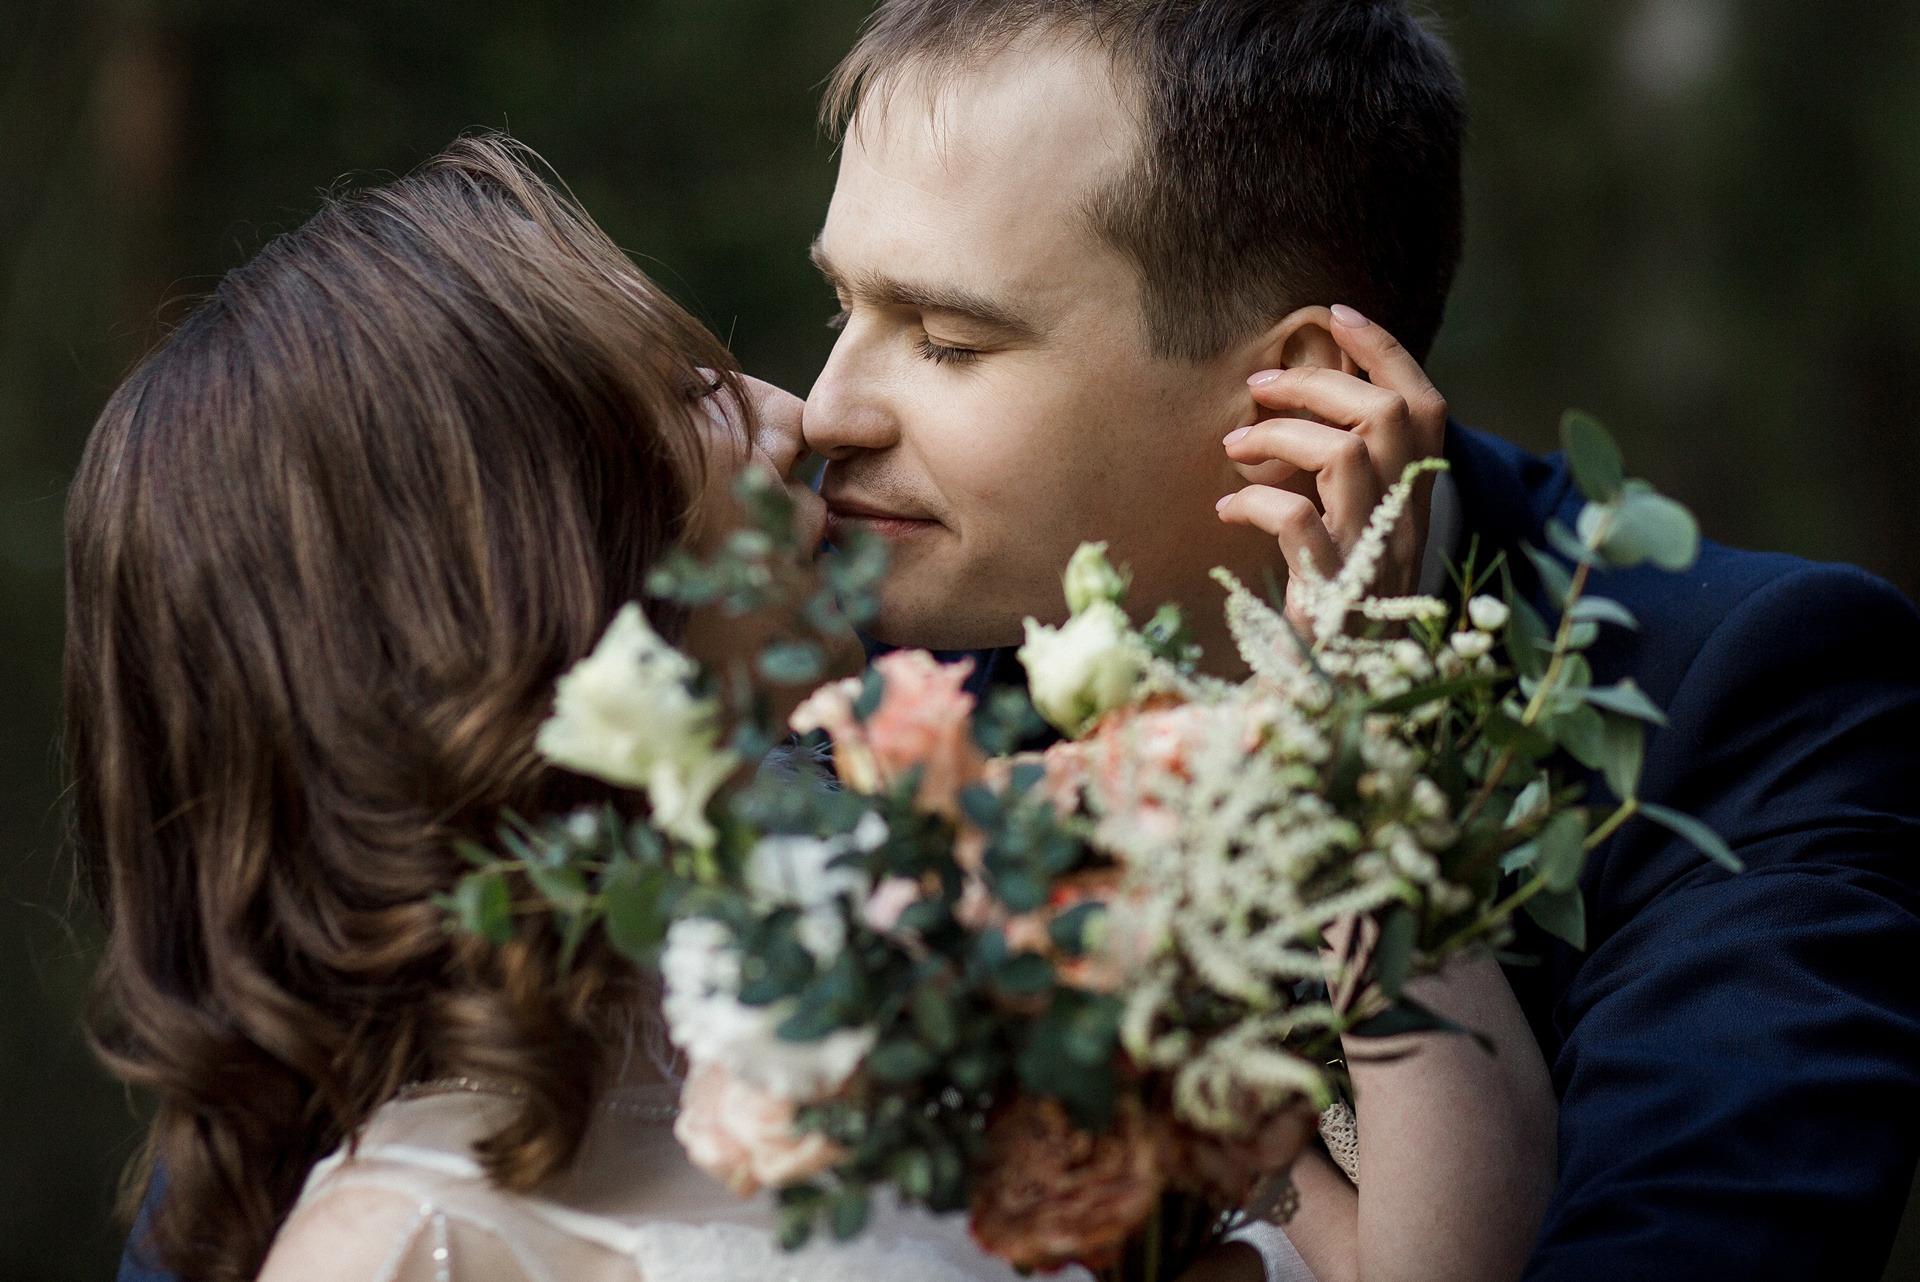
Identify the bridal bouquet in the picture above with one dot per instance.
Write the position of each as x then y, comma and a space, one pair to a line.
1094, 995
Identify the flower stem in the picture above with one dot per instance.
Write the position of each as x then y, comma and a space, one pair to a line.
1628, 809
1562, 646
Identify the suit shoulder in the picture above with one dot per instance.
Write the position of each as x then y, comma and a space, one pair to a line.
1795, 608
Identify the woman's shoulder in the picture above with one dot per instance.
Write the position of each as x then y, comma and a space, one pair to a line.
407, 1202
353, 1233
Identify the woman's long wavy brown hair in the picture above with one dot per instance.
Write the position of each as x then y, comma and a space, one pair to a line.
327, 551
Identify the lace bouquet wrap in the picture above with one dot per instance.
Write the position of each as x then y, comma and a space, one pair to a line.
1087, 995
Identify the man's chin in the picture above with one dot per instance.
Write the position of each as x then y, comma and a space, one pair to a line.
914, 621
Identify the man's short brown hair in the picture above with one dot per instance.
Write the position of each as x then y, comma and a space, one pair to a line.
1297, 151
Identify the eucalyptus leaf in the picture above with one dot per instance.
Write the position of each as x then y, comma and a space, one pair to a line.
1624, 751
1710, 842
1563, 850
635, 925
899, 1059
1582, 634
1433, 692
1069, 929
1600, 609
1553, 575
1024, 975
1020, 892
1597, 466
483, 906
873, 688
848, 1211
1582, 732
1527, 636
796, 1226
982, 805
1566, 542
1652, 527
1628, 699
913, 1174
564, 887
1562, 915
1506, 732
933, 1018
1521, 857
1531, 803
1393, 956
792, 663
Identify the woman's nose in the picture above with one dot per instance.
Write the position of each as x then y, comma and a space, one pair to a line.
778, 429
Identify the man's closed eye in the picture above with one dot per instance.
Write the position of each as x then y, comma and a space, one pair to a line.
942, 354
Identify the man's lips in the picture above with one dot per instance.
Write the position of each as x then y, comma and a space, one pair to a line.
890, 525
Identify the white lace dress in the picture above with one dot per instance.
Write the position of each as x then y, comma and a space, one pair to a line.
408, 1203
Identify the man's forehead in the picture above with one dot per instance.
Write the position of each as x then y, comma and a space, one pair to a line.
1043, 105
987, 183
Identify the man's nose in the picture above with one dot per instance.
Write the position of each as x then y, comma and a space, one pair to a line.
847, 412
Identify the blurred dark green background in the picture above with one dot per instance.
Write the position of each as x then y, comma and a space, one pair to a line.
1697, 218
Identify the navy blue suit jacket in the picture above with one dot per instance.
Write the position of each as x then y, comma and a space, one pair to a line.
1737, 1056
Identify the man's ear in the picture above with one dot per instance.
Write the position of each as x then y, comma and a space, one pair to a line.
1300, 339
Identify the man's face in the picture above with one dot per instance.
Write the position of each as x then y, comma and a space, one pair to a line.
992, 402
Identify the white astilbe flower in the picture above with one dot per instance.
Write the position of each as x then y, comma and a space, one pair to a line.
1327, 603
700, 969
1251, 1064
1220, 814
1404, 609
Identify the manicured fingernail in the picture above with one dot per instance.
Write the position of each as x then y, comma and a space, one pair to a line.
1264, 377
1348, 317
1221, 506
1236, 434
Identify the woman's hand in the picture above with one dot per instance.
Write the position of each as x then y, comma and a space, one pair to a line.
1457, 1147
1337, 442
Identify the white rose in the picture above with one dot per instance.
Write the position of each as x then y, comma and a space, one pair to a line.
627, 714
1489, 614
1083, 669
700, 969
800, 871
1090, 578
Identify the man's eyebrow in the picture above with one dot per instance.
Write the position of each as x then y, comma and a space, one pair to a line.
889, 291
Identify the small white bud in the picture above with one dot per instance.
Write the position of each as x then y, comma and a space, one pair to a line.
1471, 645
1489, 614
1091, 578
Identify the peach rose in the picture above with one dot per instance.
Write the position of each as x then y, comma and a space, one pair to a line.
925, 719
888, 900
743, 1136
830, 708
1048, 1194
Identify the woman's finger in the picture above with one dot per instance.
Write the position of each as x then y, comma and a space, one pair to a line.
1377, 415
1340, 461
1292, 520
1390, 365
